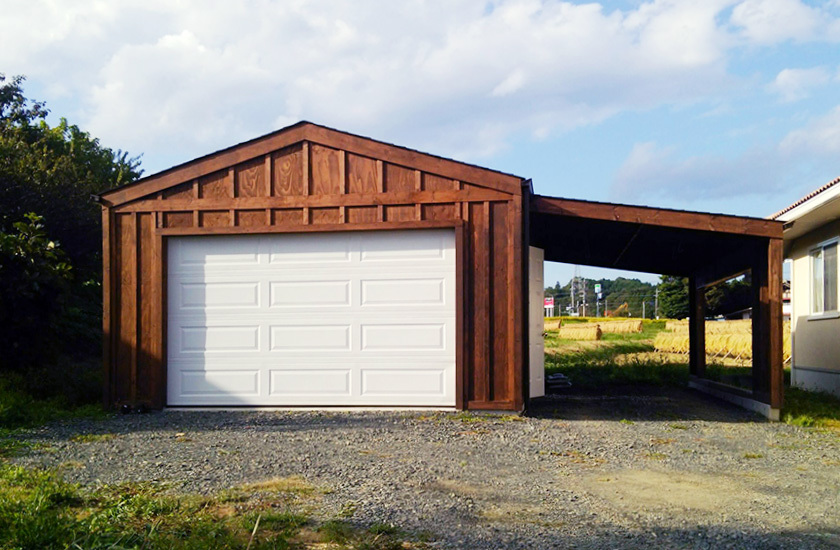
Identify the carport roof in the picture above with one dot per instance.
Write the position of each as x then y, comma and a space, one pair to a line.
654, 240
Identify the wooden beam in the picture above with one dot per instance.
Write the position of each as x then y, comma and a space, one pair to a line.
768, 376
107, 305
356, 199
696, 221
696, 328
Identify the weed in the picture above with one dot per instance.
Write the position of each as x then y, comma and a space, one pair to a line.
655, 456
753, 455
627, 422
678, 426
811, 409
337, 531
93, 438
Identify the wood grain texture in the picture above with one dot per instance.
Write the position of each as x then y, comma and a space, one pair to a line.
145, 300
215, 218
361, 214
288, 172
183, 191
448, 211
108, 303
320, 216
287, 216
126, 307
250, 218
361, 175
250, 179
326, 174
178, 219
401, 213
480, 302
397, 178
500, 282
215, 186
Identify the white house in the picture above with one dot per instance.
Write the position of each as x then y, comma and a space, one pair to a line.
811, 236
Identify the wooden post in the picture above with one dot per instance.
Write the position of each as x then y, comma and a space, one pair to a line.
768, 376
696, 328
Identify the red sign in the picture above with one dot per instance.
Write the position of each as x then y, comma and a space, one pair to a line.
549, 302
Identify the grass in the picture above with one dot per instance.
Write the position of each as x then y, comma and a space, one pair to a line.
19, 409
811, 409
40, 510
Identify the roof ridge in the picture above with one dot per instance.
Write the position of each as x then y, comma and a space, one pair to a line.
806, 198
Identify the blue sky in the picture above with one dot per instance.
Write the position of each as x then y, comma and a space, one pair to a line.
722, 105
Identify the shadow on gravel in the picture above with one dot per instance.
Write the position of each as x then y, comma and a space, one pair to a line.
638, 402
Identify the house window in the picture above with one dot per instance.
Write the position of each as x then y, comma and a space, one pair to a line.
824, 278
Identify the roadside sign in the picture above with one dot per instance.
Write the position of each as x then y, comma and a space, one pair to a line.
597, 288
549, 302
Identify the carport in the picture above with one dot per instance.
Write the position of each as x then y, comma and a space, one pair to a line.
706, 248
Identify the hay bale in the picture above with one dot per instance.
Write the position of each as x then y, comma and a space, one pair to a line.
671, 342
623, 327
580, 332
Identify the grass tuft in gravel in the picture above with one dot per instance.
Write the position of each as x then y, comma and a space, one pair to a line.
811, 409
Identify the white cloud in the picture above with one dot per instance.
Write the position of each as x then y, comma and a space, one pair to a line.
176, 79
796, 84
651, 172
821, 136
772, 21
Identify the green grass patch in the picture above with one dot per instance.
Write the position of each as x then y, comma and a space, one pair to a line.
19, 409
597, 367
38, 510
811, 409
93, 438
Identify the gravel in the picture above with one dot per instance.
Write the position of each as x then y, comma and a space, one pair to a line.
677, 469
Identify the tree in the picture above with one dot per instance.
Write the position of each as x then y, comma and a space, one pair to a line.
47, 176
53, 171
673, 297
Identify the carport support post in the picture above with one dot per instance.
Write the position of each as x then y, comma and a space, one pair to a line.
696, 328
768, 376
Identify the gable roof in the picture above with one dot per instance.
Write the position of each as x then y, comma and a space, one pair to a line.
805, 199
322, 135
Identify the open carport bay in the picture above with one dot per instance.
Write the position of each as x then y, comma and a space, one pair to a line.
675, 470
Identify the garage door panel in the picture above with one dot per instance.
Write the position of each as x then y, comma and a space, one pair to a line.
313, 380
329, 293
313, 320
404, 337
200, 382
319, 249
311, 337
214, 339
207, 295
429, 291
405, 247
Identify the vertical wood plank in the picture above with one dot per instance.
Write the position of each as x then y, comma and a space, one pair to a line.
768, 376
135, 348
269, 187
479, 302
380, 188
107, 304
461, 308
196, 192
306, 179
418, 186
231, 180
517, 312
342, 177
696, 328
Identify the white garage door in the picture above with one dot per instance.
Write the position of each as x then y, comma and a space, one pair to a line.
352, 318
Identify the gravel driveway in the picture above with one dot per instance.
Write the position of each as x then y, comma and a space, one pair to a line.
675, 470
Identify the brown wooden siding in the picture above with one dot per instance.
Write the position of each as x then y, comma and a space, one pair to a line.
309, 186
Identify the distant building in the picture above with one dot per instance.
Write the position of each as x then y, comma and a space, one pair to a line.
811, 236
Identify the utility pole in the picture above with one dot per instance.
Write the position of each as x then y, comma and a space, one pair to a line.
643, 308
583, 297
656, 302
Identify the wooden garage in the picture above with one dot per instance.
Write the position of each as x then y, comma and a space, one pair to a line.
311, 267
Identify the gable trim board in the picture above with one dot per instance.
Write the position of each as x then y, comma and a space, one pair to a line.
304, 184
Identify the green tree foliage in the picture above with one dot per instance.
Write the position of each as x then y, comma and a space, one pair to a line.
673, 297
36, 279
47, 177
53, 171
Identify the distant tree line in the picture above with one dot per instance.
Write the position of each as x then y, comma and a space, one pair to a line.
721, 299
